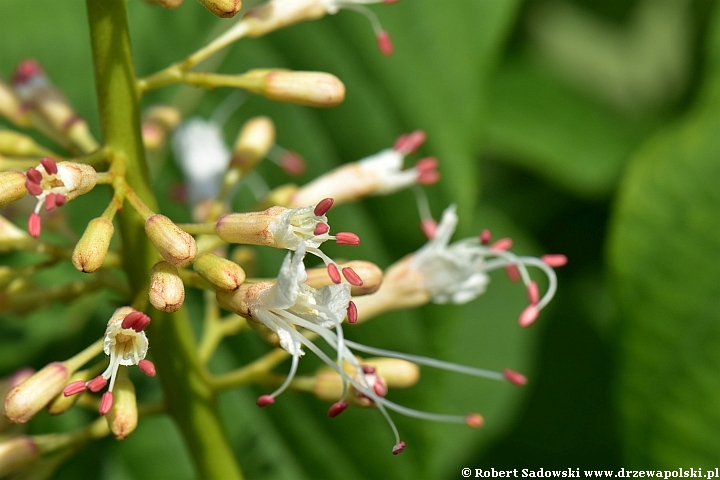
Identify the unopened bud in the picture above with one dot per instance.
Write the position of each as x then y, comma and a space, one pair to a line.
167, 4
315, 89
175, 245
10, 105
167, 292
12, 187
276, 14
62, 403
7, 384
16, 453
160, 120
397, 373
371, 275
123, 415
249, 228
28, 398
16, 144
282, 196
77, 177
221, 273
222, 8
256, 138
90, 251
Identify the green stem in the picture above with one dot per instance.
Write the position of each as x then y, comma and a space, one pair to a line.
190, 401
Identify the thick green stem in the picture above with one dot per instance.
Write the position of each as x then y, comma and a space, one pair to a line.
189, 398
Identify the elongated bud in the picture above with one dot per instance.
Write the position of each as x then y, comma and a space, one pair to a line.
221, 273
176, 246
16, 453
159, 120
28, 398
167, 292
15, 144
281, 196
166, 4
222, 8
123, 415
249, 228
10, 106
12, 187
62, 403
256, 138
7, 384
371, 275
315, 89
397, 373
276, 14
90, 251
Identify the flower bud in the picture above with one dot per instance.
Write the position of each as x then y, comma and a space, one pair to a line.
7, 384
159, 120
175, 245
256, 138
28, 398
77, 178
167, 4
246, 258
371, 274
167, 292
276, 14
222, 8
10, 235
90, 251
16, 144
250, 228
61, 403
12, 187
11, 107
123, 415
222, 274
281, 196
16, 453
397, 373
315, 89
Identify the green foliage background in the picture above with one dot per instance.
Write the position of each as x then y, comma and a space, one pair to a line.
589, 127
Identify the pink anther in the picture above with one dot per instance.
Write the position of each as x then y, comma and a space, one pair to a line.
131, 319
502, 244
427, 164
34, 225
428, 226
397, 449
533, 292
368, 369
323, 206
408, 143
512, 272
106, 403
147, 367
555, 260
485, 237
474, 420
384, 43
352, 312
60, 199
34, 175
428, 177
514, 377
333, 273
292, 163
352, 277
50, 165
380, 388
336, 409
528, 316
33, 188
74, 388
321, 229
26, 70
96, 384
265, 400
347, 238
51, 202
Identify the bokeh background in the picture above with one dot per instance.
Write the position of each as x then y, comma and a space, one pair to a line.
584, 127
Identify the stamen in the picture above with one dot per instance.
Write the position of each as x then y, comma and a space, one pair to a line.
147, 367
74, 388
333, 272
292, 163
97, 384
264, 401
352, 312
428, 177
352, 277
347, 238
428, 226
485, 237
502, 244
33, 188
368, 369
555, 260
427, 164
50, 202
50, 165
528, 316
336, 409
474, 420
34, 225
34, 176
106, 403
321, 229
131, 319
533, 293
397, 449
410, 142
289, 378
60, 199
512, 272
323, 206
384, 43
514, 377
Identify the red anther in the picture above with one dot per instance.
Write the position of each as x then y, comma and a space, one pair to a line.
96, 384
512, 272
474, 420
26, 70
352, 312
347, 238
408, 143
368, 369
514, 377
502, 244
485, 237
427, 164
430, 177
292, 163
106, 403
352, 277
397, 449
528, 316
384, 43
50, 165
533, 292
142, 324
34, 175
33, 188
428, 226
34, 225
380, 388
147, 367
555, 260
333, 272
74, 388
336, 409
131, 319
50, 202
265, 400
60, 199
323, 206
321, 229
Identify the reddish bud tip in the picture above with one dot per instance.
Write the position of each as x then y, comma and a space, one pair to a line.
384, 43
347, 238
147, 367
323, 206
512, 272
528, 316
555, 260
74, 388
96, 384
474, 420
428, 226
533, 292
352, 277
26, 70
106, 403
34, 175
321, 229
514, 377
336, 409
352, 312
34, 225
292, 163
502, 244
333, 272
485, 237
33, 188
50, 165
408, 143
265, 400
397, 449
